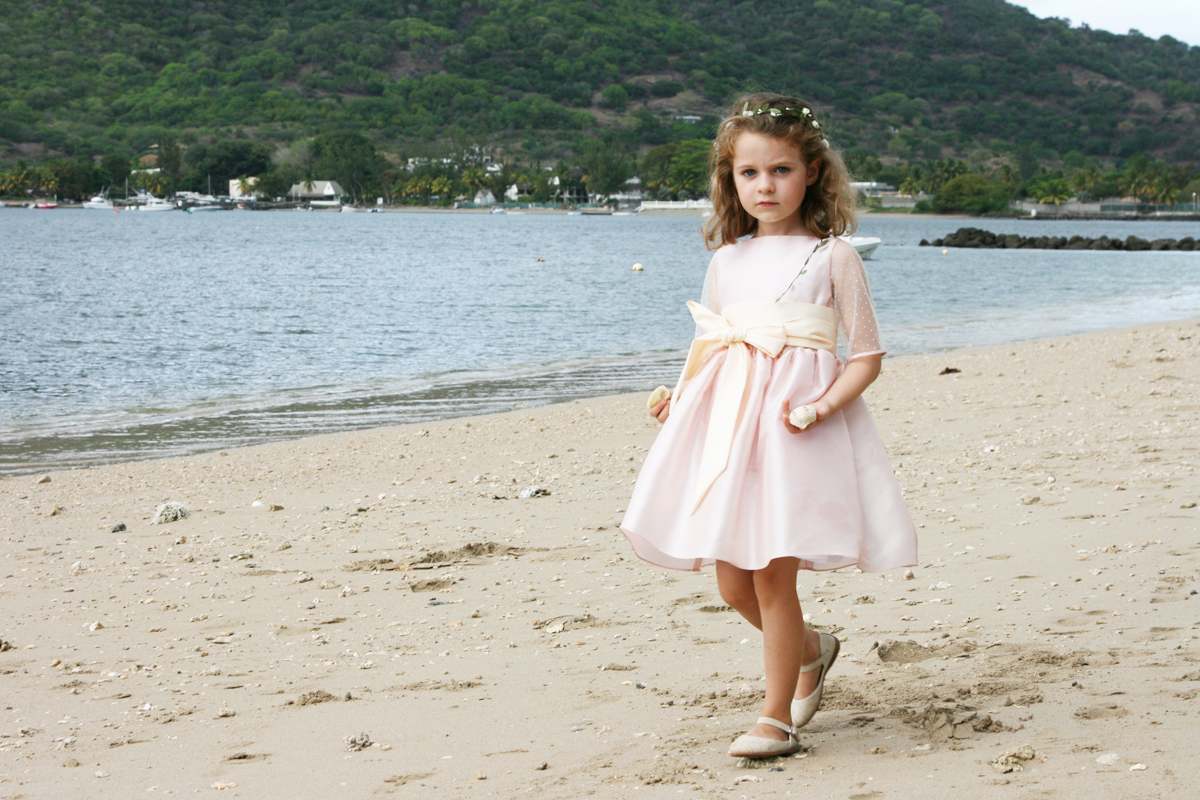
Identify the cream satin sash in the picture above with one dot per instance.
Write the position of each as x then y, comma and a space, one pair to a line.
764, 325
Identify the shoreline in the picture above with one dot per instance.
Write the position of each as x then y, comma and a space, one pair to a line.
238, 415
403, 590
863, 214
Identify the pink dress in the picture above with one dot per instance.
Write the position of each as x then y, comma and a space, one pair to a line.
827, 496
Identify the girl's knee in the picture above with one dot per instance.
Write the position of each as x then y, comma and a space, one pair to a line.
738, 595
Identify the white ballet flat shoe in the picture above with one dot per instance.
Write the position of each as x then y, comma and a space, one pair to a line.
803, 710
747, 746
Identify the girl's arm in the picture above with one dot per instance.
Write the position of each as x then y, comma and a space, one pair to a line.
852, 300
854, 380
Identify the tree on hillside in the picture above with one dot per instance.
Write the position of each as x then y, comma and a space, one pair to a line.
973, 194
605, 167
351, 160
223, 161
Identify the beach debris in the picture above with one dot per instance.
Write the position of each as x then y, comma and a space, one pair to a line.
5, 646
909, 575
44, 479
1136, 767
54, 512
118, 528
283, 546
657, 396
96, 626
223, 785
637, 267
1030, 499
866, 599
71, 762
543, 766
1108, 759
257, 504
169, 512
565, 623
274, 507
1013, 760
533, 491
479, 776
356, 743
950, 371
226, 712
303, 577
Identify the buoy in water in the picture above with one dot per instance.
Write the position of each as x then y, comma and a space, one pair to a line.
637, 267
540, 260
945, 252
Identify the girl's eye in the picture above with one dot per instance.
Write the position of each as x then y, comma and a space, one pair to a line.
782, 170
748, 173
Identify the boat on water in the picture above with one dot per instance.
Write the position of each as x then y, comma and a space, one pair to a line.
45, 205
148, 202
100, 203
864, 245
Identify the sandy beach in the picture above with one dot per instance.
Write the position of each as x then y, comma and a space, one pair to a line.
383, 613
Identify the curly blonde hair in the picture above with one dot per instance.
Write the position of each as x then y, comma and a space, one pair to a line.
828, 207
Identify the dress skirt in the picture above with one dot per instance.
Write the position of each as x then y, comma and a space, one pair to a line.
827, 496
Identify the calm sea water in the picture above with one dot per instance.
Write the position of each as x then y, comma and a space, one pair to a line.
143, 335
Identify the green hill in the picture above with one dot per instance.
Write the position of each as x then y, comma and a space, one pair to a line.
536, 79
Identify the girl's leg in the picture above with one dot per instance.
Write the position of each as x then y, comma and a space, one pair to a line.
739, 588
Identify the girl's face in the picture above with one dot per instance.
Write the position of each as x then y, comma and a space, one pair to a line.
771, 179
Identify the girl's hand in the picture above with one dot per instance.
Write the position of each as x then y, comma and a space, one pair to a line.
662, 410
821, 407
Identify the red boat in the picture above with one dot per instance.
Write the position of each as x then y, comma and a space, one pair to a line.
46, 204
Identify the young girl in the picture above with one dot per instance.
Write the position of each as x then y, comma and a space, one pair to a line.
768, 461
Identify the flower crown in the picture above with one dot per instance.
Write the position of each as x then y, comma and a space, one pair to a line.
802, 115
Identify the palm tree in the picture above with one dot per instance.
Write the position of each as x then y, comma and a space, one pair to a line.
1053, 192
246, 186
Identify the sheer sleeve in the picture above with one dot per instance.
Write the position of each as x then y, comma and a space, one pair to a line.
852, 301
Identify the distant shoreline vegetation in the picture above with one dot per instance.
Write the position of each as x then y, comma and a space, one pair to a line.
970, 104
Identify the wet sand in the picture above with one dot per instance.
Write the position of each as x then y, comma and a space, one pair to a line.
488, 645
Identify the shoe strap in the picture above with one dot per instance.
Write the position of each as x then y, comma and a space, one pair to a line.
775, 724
820, 661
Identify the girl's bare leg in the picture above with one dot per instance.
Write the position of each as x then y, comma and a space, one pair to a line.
740, 588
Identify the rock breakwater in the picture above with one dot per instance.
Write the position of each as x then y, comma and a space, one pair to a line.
974, 237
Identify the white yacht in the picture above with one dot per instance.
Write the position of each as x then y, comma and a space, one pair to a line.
865, 245
99, 203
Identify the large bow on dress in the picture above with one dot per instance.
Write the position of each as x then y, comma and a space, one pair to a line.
765, 326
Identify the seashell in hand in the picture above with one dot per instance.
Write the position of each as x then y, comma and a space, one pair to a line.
803, 416
657, 396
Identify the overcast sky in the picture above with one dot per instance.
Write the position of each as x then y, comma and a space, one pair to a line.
1154, 18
